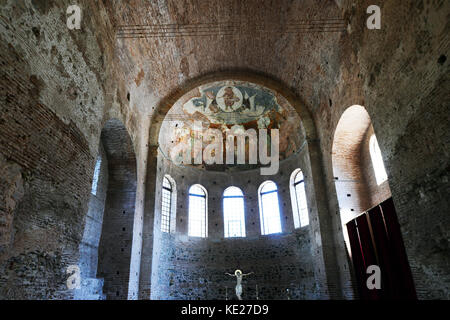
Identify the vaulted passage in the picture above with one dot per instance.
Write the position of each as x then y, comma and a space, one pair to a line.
368, 216
117, 230
358, 168
105, 250
224, 150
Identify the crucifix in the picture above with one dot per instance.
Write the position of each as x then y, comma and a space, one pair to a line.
239, 275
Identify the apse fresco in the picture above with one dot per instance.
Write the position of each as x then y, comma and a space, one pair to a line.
235, 106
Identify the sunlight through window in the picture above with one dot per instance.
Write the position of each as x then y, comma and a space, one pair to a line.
269, 209
197, 211
233, 212
377, 161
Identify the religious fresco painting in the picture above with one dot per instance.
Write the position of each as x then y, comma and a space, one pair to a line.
236, 106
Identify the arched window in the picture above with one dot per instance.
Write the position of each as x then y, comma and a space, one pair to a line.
96, 176
166, 205
377, 160
269, 210
197, 211
298, 199
233, 212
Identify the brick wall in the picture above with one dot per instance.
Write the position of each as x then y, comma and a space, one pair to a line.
51, 109
56, 167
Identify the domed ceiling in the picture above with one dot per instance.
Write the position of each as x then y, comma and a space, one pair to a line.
230, 106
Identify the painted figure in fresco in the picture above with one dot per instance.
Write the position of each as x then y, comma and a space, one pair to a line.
238, 274
212, 105
229, 98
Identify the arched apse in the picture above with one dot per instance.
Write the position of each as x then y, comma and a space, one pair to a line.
114, 251
356, 187
155, 261
166, 104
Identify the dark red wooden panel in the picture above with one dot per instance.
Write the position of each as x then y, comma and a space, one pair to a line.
397, 251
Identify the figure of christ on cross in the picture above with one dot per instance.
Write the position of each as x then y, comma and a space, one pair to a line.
238, 274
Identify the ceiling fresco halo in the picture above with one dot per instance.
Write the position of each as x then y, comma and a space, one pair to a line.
232, 105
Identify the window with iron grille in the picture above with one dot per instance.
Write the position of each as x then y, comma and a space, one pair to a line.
299, 204
166, 205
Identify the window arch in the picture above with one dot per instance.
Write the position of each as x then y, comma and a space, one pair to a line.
167, 203
233, 212
377, 160
197, 211
269, 210
298, 199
